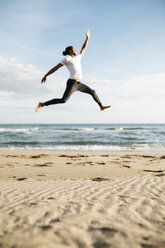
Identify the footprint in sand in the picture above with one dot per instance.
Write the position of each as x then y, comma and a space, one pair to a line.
107, 231
147, 156
148, 246
46, 227
145, 238
55, 220
156, 171
11, 156
100, 244
39, 156
128, 157
69, 156
48, 164
21, 178
99, 179
32, 204
10, 165
50, 198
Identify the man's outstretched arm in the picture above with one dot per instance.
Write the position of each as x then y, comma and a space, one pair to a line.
50, 72
84, 47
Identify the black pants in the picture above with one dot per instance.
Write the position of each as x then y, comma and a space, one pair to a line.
72, 86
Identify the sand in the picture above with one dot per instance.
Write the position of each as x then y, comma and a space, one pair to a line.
82, 199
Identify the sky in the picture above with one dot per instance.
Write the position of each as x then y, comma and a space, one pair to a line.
124, 62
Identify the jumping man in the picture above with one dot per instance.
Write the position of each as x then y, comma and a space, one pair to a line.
73, 63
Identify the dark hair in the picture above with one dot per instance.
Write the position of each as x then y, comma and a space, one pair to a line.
66, 52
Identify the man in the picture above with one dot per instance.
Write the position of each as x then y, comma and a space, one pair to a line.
73, 63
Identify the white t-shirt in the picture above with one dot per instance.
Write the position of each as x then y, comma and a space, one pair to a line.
74, 66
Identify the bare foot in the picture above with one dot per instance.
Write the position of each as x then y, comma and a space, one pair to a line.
104, 107
40, 105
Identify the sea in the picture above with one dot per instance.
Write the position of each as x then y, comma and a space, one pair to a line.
83, 137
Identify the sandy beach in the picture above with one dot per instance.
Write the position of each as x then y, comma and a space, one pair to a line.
54, 199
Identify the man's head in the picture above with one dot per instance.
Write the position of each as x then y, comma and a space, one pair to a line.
70, 50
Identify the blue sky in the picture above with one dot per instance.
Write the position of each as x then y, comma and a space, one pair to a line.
124, 62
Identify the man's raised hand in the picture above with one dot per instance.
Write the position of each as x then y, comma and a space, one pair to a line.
43, 80
88, 33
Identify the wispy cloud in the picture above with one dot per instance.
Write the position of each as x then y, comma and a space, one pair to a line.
30, 49
117, 72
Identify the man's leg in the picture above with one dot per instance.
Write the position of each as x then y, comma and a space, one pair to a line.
86, 89
70, 88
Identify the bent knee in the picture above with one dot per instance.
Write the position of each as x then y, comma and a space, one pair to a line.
93, 92
64, 100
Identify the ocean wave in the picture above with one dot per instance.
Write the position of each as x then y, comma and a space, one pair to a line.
126, 129
94, 147
82, 137
75, 130
18, 130
69, 148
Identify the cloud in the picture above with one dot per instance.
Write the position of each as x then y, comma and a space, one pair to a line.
151, 85
22, 79
135, 94
21, 89
25, 80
